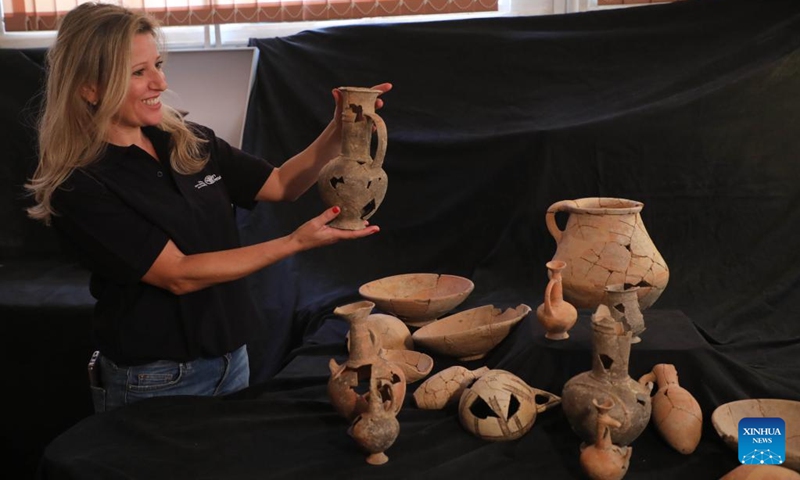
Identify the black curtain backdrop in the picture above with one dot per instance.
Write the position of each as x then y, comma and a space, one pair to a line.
690, 107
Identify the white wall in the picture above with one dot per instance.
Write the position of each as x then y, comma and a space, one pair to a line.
213, 86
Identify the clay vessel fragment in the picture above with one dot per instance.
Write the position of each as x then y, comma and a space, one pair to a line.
445, 387
415, 365
608, 379
349, 382
761, 472
603, 460
500, 406
676, 413
393, 333
376, 429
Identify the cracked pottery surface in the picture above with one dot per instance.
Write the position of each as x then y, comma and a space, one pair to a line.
418, 298
605, 242
394, 334
500, 406
471, 334
415, 365
354, 180
725, 419
676, 413
446, 387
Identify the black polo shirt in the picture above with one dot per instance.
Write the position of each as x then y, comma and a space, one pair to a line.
118, 213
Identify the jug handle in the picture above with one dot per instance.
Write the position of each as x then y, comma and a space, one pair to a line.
552, 400
377, 162
550, 217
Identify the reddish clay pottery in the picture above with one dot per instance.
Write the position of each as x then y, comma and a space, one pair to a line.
393, 332
676, 414
445, 387
355, 181
376, 429
500, 406
556, 315
605, 242
470, 334
726, 418
348, 384
418, 298
608, 379
603, 460
415, 365
761, 472
623, 306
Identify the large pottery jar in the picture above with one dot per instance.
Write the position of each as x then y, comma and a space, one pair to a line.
354, 180
605, 242
608, 379
349, 383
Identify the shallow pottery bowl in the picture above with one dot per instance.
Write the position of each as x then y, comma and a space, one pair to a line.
726, 422
471, 334
418, 298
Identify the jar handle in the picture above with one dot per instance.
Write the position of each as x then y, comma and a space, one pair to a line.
377, 162
550, 217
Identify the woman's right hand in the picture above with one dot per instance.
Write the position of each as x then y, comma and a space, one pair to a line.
316, 232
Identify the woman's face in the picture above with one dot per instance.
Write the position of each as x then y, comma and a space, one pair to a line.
142, 104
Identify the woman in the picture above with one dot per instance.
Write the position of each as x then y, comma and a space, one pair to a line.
145, 200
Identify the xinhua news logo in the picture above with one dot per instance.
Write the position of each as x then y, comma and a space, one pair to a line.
762, 441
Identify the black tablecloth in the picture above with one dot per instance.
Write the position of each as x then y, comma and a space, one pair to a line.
287, 427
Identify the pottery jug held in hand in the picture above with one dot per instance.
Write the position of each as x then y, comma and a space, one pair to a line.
354, 180
556, 315
605, 242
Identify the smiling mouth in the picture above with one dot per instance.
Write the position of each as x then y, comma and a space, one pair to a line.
151, 102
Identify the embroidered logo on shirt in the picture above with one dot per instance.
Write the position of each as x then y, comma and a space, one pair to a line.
209, 180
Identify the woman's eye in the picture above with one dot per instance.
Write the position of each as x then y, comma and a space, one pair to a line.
160, 64
139, 73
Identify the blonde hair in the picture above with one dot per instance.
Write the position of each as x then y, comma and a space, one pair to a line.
93, 48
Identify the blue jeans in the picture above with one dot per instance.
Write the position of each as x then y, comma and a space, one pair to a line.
121, 385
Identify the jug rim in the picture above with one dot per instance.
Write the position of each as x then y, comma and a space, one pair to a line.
604, 206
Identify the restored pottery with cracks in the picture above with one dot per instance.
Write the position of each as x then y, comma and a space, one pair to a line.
605, 242
623, 306
608, 378
676, 413
376, 429
349, 383
354, 180
446, 387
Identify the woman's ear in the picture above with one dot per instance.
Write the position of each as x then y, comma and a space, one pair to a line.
89, 93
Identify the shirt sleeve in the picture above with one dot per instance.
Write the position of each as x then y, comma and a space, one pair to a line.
243, 174
110, 238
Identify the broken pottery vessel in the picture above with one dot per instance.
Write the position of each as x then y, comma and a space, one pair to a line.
348, 385
608, 379
376, 429
354, 180
623, 305
445, 387
470, 334
394, 334
761, 472
556, 315
603, 460
605, 242
500, 406
676, 414
415, 365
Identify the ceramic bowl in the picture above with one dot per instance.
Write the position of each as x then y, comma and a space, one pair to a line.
416, 365
471, 334
418, 298
726, 422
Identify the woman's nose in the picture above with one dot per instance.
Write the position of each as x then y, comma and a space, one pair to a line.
159, 81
